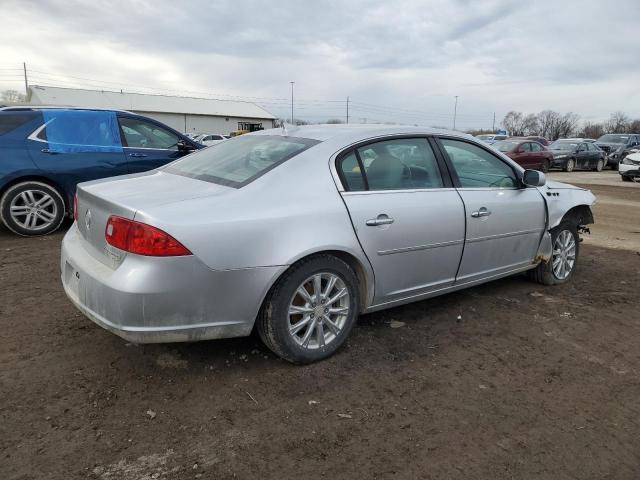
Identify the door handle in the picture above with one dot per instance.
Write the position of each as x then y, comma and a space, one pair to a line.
138, 155
50, 152
382, 219
483, 212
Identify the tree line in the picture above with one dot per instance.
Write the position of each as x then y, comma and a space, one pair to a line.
553, 125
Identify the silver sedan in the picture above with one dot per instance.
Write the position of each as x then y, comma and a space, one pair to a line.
295, 233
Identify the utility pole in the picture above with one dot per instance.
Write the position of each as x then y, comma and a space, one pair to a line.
292, 102
455, 112
347, 110
493, 129
26, 83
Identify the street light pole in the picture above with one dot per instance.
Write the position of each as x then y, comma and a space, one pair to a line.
455, 112
292, 102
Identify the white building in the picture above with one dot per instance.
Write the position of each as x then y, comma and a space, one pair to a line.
185, 114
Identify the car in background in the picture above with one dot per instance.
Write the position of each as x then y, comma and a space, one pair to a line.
490, 139
572, 153
46, 151
629, 168
540, 140
210, 139
617, 146
526, 153
218, 242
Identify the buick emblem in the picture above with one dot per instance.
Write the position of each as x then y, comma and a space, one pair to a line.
87, 219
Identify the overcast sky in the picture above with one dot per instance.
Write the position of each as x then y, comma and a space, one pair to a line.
398, 61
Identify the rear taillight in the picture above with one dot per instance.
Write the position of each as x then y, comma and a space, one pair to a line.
75, 207
142, 239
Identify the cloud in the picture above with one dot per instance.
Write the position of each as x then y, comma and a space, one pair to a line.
414, 56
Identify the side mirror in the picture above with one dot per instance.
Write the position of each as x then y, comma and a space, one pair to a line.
533, 178
184, 146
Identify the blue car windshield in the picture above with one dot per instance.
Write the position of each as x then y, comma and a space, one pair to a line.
240, 160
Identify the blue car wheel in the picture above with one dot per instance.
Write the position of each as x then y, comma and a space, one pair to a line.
32, 208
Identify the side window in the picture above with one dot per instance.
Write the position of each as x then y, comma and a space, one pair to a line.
478, 168
400, 164
141, 134
351, 174
535, 147
582, 147
527, 147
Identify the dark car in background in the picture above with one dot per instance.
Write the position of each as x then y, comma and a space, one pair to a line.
572, 153
46, 152
617, 146
527, 153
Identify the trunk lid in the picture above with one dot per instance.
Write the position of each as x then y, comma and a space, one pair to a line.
124, 196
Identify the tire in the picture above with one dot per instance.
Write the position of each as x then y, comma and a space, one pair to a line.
32, 208
570, 165
545, 272
599, 165
545, 166
625, 179
276, 323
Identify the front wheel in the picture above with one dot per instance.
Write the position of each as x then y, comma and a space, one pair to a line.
310, 311
32, 208
565, 241
570, 165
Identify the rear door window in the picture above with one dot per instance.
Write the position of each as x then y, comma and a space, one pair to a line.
397, 164
69, 131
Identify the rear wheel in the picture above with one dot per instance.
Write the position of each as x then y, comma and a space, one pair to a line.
599, 165
570, 165
565, 241
625, 178
310, 311
545, 166
32, 208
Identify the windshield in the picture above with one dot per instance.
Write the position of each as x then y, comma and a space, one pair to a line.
505, 146
614, 138
563, 145
240, 160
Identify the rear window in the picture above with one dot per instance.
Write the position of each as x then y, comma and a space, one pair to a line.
240, 160
9, 121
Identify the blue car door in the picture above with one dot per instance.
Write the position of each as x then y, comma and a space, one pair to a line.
148, 144
74, 146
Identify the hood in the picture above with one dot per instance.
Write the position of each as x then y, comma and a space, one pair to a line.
553, 185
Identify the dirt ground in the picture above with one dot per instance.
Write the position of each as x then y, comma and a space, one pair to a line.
509, 380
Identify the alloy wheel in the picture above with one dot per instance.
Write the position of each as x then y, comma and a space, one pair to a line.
33, 209
564, 255
318, 310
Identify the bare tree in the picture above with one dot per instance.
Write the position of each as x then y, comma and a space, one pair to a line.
530, 125
12, 96
592, 130
634, 126
618, 123
547, 119
513, 122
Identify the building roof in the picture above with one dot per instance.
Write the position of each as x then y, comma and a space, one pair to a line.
138, 102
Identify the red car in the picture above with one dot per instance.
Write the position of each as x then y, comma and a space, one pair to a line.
526, 153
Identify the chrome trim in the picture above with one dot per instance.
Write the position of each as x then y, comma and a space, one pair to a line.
417, 190
419, 247
503, 235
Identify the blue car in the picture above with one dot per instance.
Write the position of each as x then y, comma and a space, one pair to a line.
45, 152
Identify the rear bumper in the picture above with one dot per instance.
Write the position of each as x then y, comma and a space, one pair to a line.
155, 300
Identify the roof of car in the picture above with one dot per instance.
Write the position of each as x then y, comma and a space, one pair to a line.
326, 132
27, 108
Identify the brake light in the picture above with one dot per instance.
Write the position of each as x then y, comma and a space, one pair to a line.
142, 239
75, 207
